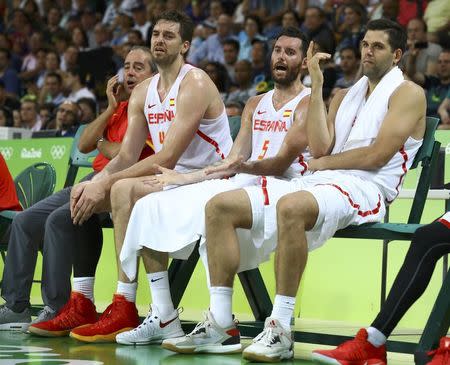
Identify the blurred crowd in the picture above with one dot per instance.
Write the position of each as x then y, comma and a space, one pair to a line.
56, 56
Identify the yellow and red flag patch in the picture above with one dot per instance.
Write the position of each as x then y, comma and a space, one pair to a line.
172, 102
287, 113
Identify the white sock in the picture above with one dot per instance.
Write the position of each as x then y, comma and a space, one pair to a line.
283, 310
376, 337
160, 290
85, 286
220, 305
128, 290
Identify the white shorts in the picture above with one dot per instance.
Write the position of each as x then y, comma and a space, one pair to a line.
343, 200
173, 220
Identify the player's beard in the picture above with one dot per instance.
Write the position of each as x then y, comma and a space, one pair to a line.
165, 60
291, 75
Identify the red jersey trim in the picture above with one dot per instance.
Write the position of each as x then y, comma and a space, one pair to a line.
212, 142
356, 205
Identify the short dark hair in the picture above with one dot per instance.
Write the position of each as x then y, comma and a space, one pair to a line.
294, 32
353, 49
56, 75
423, 22
396, 34
257, 20
232, 42
186, 23
76, 71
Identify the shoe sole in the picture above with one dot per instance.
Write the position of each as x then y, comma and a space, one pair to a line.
19, 327
263, 358
329, 360
45, 333
206, 349
110, 337
153, 341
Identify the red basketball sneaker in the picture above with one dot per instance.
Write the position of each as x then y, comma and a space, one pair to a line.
441, 356
354, 352
120, 316
78, 311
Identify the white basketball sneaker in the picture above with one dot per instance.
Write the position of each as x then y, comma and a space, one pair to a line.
273, 344
154, 329
207, 337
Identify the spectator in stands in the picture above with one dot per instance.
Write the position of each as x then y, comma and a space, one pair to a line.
212, 48
260, 64
317, 30
352, 28
290, 18
17, 119
215, 11
88, 22
88, 110
140, 20
230, 56
349, 66
51, 92
67, 117
80, 39
421, 56
121, 27
244, 80
30, 66
388, 9
70, 58
8, 75
29, 114
46, 114
134, 37
436, 88
6, 100
234, 109
52, 27
102, 35
52, 63
218, 74
112, 11
74, 81
252, 30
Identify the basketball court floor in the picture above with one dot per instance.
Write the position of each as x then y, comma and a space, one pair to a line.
19, 348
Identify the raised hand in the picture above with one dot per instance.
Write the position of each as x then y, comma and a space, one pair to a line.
113, 90
313, 63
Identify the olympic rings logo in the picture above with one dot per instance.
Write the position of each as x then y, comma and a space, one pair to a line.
7, 152
58, 151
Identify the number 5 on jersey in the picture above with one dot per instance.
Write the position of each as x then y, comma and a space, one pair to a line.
265, 147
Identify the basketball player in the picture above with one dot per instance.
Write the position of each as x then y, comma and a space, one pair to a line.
381, 123
183, 111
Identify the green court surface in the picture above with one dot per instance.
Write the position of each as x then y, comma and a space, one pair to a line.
19, 348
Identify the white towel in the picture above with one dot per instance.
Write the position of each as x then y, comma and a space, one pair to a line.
371, 113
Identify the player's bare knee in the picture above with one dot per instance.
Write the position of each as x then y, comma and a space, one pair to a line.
216, 207
295, 209
119, 193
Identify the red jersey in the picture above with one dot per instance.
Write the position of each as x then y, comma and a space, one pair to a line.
115, 131
8, 195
